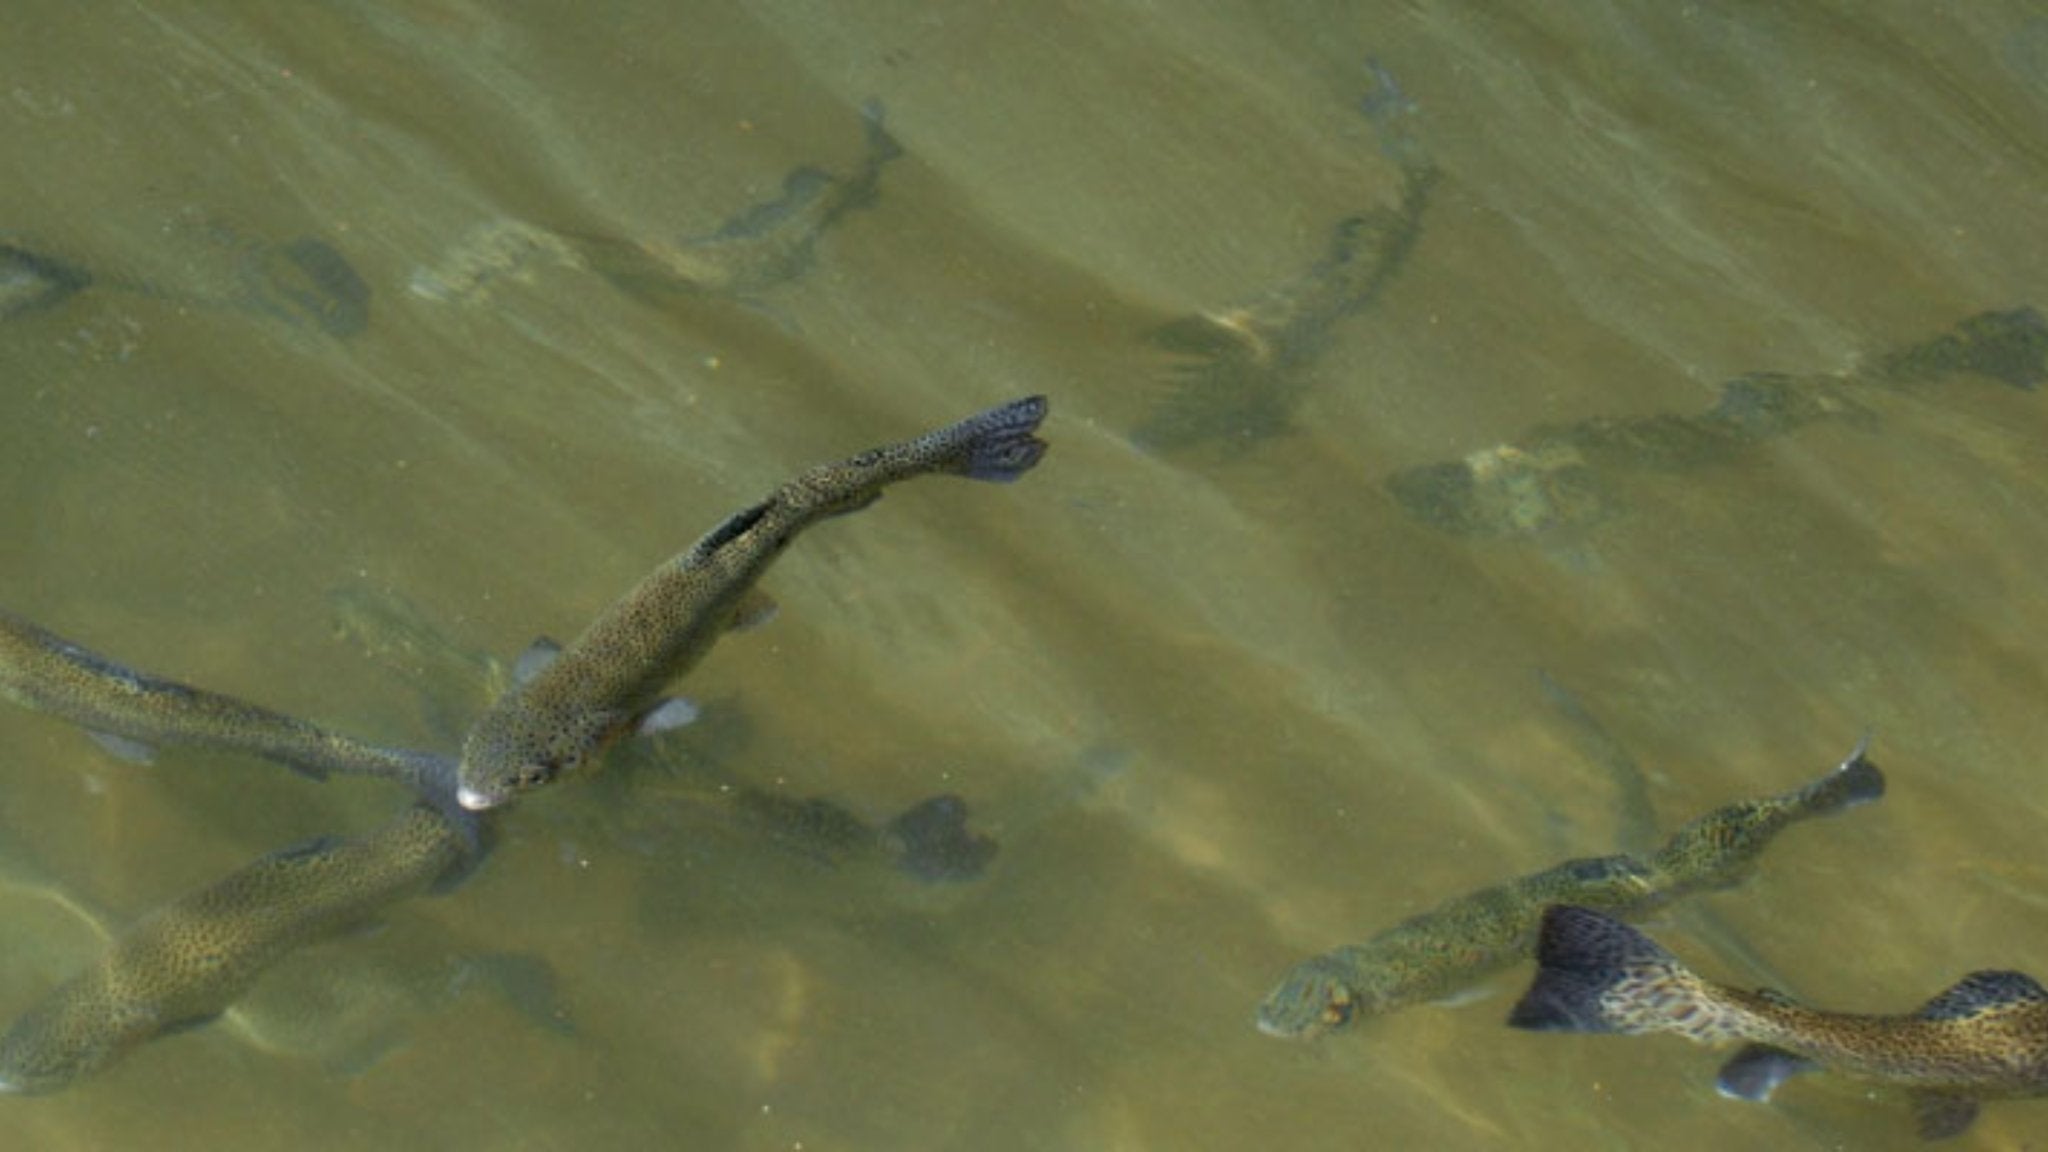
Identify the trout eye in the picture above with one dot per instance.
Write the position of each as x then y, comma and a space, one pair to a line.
533, 775
1337, 1009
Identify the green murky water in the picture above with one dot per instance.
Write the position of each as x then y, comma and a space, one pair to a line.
1223, 708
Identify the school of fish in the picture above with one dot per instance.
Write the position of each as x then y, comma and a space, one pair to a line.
188, 961
559, 708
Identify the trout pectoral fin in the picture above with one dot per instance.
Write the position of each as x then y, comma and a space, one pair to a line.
124, 749
1756, 1071
538, 655
754, 609
1939, 1115
672, 712
189, 1023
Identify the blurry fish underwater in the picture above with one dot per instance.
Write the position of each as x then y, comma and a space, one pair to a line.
1985, 1037
568, 704
1241, 371
758, 248
302, 282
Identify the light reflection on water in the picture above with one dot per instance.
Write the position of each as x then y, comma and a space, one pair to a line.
1223, 708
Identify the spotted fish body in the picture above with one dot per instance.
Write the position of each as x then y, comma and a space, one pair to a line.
1985, 1037
1455, 945
42, 671
610, 678
1720, 849
189, 960
1444, 950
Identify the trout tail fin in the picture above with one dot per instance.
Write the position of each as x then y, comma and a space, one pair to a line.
1596, 974
1856, 781
882, 147
998, 445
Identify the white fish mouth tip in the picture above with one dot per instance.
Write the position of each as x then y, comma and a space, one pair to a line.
474, 800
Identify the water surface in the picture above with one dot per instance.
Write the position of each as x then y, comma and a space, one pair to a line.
1224, 708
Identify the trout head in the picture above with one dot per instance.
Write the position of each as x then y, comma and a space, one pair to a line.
79, 1028
518, 749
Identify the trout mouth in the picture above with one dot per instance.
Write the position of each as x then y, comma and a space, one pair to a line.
475, 800
478, 799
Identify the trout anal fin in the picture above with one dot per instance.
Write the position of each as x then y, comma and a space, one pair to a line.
123, 748
1756, 1071
1939, 1115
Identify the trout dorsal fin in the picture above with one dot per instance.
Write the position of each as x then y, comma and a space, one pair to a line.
1982, 992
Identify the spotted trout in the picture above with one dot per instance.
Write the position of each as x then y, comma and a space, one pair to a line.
609, 680
190, 960
1986, 1037
1456, 944
130, 713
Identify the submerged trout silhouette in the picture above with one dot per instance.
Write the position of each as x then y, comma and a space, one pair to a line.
757, 249
188, 961
573, 702
130, 713
1240, 371
1455, 944
1570, 476
302, 282
1986, 1037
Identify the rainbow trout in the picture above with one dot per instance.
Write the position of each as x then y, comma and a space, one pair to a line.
1242, 370
609, 680
188, 961
130, 712
1567, 476
759, 248
1985, 1037
753, 251
302, 282
1456, 944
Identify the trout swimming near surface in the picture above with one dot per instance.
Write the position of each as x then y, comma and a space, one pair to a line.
608, 681
1241, 371
761, 247
1458, 943
1986, 1037
130, 713
754, 250
930, 840
188, 961
301, 282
